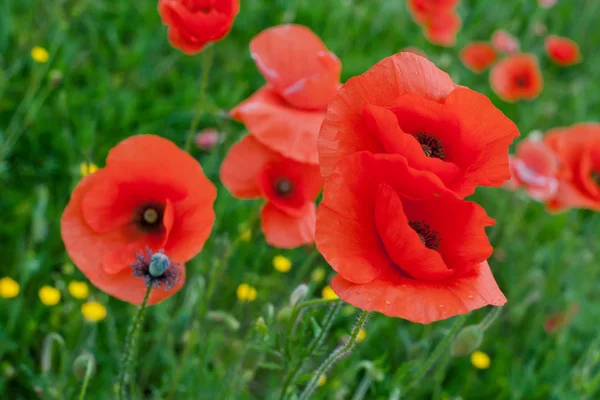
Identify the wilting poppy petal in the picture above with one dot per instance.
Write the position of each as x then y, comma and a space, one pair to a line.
517, 77
504, 42
192, 24
563, 51
297, 65
285, 231
289, 131
478, 56
169, 203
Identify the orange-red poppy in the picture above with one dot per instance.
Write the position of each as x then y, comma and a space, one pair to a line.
535, 167
441, 28
421, 9
252, 170
302, 78
578, 149
402, 243
563, 51
517, 77
151, 195
504, 42
405, 105
194, 23
478, 56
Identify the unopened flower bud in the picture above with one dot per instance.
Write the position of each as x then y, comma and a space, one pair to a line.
298, 294
467, 341
284, 314
81, 363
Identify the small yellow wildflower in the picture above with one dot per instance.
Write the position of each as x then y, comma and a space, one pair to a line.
246, 235
9, 288
328, 293
40, 54
93, 311
246, 292
79, 289
362, 334
49, 296
282, 263
322, 380
480, 360
317, 275
87, 168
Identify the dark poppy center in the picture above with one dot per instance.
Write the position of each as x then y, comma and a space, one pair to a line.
521, 81
432, 147
149, 217
284, 187
428, 236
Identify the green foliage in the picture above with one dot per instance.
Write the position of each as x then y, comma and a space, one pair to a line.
112, 74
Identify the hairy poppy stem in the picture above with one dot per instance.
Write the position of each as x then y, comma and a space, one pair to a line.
439, 350
334, 357
131, 346
207, 55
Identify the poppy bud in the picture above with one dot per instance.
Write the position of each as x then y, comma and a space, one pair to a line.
298, 294
261, 326
284, 314
81, 364
158, 264
467, 341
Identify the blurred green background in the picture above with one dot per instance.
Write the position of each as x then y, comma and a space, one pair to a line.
112, 74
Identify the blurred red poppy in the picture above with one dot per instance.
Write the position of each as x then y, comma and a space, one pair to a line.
478, 56
578, 149
562, 51
517, 77
441, 28
208, 138
421, 9
535, 167
302, 78
393, 233
547, 3
561, 319
151, 195
504, 42
405, 105
252, 170
194, 23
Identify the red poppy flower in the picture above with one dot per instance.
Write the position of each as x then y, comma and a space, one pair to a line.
504, 42
405, 105
516, 77
393, 233
194, 23
151, 195
252, 170
562, 51
441, 28
535, 167
478, 56
302, 77
421, 9
578, 148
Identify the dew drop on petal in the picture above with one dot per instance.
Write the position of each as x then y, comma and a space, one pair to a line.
388, 302
470, 296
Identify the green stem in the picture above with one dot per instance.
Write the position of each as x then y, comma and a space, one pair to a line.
489, 319
130, 343
334, 357
312, 347
206, 62
299, 309
440, 348
86, 380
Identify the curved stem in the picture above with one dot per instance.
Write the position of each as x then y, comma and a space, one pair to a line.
206, 62
334, 357
489, 319
440, 348
130, 343
86, 380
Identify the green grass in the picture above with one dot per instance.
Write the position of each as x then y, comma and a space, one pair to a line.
120, 77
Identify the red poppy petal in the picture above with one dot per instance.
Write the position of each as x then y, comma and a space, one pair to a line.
381, 85
289, 131
297, 64
243, 165
401, 242
284, 231
429, 301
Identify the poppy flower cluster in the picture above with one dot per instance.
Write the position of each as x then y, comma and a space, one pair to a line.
151, 198
438, 18
278, 160
400, 148
561, 169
